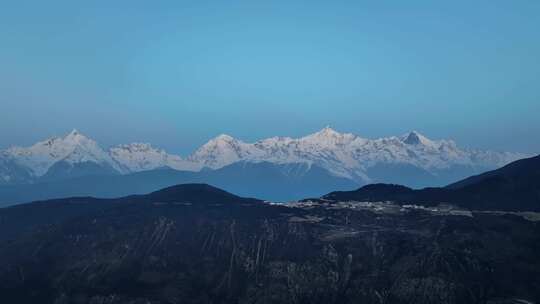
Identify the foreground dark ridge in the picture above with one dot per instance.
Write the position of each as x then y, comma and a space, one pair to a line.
514, 187
24, 217
199, 244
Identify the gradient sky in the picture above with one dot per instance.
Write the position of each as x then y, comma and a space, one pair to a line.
176, 73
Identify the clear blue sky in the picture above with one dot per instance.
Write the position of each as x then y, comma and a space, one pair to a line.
176, 73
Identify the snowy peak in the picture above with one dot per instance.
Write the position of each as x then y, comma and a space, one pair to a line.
347, 155
342, 154
221, 142
223, 138
221, 151
67, 142
79, 148
328, 137
72, 148
326, 132
75, 135
415, 138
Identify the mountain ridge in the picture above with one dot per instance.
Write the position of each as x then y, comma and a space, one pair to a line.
514, 187
346, 155
199, 244
263, 180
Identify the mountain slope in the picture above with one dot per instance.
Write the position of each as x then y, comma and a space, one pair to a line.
25, 217
514, 187
199, 244
518, 172
137, 157
11, 172
70, 150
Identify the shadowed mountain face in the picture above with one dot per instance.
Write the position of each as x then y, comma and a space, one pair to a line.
198, 244
62, 171
515, 186
521, 172
12, 173
193, 194
23, 218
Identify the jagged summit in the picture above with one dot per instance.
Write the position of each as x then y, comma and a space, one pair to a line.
224, 137
72, 148
328, 137
136, 157
342, 154
327, 131
70, 138
415, 138
75, 137
220, 140
74, 132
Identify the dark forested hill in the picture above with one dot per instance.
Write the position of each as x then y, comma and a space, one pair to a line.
199, 244
515, 186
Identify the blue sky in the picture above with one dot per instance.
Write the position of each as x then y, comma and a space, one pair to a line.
176, 73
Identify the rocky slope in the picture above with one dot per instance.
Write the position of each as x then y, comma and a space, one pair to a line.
198, 244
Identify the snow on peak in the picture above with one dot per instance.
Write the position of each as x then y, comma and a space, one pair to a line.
75, 137
342, 154
328, 137
415, 138
74, 133
327, 132
222, 151
224, 138
72, 148
222, 141
345, 154
136, 157
137, 147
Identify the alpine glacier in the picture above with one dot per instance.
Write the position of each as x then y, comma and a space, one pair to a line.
345, 155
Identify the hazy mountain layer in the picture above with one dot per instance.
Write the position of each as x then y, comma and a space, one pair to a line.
263, 180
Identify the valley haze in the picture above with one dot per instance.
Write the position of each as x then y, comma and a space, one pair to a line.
293, 168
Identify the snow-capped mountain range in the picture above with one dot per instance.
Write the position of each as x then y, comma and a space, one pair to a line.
342, 154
